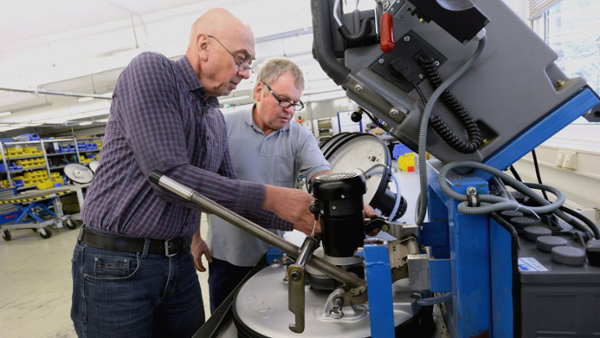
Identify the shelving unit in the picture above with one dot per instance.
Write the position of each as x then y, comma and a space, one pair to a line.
49, 150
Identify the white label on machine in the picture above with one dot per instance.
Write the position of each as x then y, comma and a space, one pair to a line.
530, 264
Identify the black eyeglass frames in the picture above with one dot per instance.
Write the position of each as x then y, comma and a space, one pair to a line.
298, 106
243, 64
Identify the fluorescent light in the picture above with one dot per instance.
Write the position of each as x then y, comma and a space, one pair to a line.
85, 123
103, 120
235, 98
6, 113
85, 99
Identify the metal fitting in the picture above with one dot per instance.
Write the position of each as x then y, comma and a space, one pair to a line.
381, 61
406, 38
394, 112
358, 88
336, 312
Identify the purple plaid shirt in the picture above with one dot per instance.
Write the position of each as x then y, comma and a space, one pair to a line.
160, 120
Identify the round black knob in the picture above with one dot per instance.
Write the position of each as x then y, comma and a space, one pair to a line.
356, 116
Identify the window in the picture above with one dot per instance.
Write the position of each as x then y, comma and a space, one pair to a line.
572, 29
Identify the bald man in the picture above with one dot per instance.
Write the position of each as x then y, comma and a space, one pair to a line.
133, 273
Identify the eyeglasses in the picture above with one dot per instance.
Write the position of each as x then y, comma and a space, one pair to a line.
243, 64
298, 106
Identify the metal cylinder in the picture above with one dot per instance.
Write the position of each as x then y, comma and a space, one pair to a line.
340, 200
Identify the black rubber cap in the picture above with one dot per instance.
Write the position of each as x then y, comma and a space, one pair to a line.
531, 233
155, 176
568, 255
521, 223
546, 243
511, 213
593, 252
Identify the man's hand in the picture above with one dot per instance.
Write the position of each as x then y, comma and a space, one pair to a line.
198, 249
292, 205
369, 211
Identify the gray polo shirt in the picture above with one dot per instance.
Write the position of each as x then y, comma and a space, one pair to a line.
276, 159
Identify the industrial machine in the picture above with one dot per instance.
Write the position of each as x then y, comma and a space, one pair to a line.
470, 83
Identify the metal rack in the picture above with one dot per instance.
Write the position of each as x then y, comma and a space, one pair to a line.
43, 147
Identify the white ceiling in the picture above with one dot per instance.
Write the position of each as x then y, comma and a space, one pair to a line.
81, 46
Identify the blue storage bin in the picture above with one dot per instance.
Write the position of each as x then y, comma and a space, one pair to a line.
32, 137
400, 149
91, 146
19, 183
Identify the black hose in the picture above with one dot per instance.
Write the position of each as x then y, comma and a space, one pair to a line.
323, 43
516, 283
364, 32
420, 92
537, 172
438, 124
515, 174
582, 218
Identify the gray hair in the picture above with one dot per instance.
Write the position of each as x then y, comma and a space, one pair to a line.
274, 68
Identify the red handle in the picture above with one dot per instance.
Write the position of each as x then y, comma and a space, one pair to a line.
387, 42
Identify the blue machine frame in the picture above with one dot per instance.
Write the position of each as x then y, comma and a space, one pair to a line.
470, 255
478, 250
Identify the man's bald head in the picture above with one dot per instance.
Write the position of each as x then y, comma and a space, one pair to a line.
220, 23
218, 41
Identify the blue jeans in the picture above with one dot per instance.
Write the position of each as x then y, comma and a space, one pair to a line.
223, 278
124, 294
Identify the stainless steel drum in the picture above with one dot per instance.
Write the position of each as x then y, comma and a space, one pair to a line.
261, 310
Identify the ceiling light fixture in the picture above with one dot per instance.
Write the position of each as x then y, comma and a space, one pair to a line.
85, 99
85, 123
6, 113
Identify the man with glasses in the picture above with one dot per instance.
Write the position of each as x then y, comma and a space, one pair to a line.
266, 147
133, 274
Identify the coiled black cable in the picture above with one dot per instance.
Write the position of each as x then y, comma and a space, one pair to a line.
438, 124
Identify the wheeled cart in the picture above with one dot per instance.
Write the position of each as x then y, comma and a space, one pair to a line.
33, 211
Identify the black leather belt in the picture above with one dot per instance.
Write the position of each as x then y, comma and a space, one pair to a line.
113, 242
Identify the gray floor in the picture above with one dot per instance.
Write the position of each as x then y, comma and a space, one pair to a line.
35, 284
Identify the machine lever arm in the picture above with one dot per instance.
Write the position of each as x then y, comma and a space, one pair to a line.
296, 272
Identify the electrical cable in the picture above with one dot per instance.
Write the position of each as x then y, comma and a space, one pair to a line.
420, 92
439, 125
422, 146
435, 300
516, 282
365, 26
398, 200
371, 172
515, 173
496, 203
537, 171
580, 218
